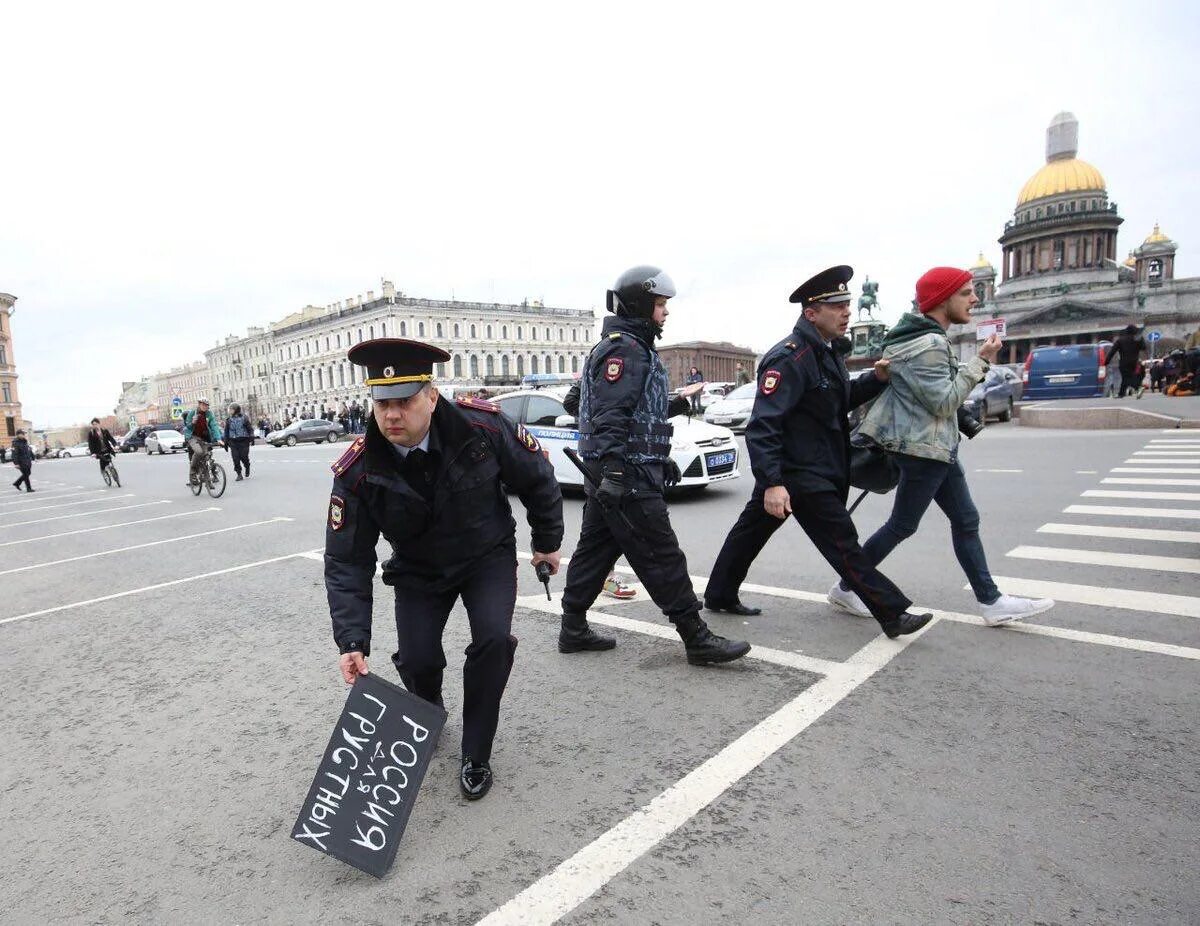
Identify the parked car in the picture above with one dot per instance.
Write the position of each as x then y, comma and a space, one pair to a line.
993, 397
733, 409
161, 442
703, 452
1071, 371
79, 450
136, 439
313, 430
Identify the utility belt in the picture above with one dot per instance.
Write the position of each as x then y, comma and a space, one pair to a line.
653, 439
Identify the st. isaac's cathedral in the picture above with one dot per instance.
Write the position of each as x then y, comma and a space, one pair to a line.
1060, 280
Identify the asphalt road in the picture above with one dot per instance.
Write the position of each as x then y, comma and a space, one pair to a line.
168, 682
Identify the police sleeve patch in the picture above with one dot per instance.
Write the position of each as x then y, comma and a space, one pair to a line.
613, 369
770, 382
337, 512
530, 442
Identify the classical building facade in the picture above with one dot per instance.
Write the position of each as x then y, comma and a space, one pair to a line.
186, 383
10, 399
300, 361
717, 360
1060, 281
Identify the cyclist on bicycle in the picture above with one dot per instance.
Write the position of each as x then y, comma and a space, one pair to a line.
101, 444
200, 430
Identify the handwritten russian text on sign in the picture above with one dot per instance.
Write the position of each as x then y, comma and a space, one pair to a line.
368, 779
986, 328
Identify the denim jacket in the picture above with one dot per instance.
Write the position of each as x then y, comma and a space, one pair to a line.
918, 415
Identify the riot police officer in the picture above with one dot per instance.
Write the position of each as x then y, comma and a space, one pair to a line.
798, 439
625, 438
428, 475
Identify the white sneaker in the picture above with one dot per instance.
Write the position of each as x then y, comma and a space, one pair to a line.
847, 601
1008, 608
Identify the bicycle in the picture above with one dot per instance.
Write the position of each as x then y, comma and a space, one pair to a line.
211, 477
109, 471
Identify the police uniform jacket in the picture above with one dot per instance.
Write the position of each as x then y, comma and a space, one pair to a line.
798, 433
435, 544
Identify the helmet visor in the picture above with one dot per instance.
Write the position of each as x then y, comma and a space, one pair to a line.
660, 285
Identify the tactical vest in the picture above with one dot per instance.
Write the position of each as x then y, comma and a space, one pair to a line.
650, 432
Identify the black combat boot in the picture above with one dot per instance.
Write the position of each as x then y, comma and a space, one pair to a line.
905, 624
703, 646
577, 637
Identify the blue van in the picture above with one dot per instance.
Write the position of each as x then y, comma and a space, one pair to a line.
1070, 371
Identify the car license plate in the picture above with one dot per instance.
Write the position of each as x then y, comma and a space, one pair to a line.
1062, 378
722, 419
721, 459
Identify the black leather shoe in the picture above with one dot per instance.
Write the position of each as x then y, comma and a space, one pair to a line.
736, 607
475, 779
577, 637
704, 647
905, 624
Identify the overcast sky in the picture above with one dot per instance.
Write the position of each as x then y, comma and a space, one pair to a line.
170, 177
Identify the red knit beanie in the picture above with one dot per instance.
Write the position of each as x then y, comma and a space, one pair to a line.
938, 285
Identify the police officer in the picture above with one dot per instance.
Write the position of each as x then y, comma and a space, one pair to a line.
798, 438
625, 437
428, 475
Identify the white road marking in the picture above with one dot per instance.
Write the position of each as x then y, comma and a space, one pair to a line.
1176, 441
49, 498
82, 514
142, 546
147, 588
1172, 496
1150, 482
1118, 512
1154, 466
1124, 533
72, 504
1126, 599
999, 470
592, 867
105, 527
1108, 558
1163, 451
1086, 472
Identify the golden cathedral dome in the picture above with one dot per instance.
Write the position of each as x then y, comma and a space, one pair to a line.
1156, 236
981, 263
1068, 175
1131, 261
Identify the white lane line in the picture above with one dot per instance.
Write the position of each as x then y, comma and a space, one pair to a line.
1164, 452
1150, 482
142, 546
50, 498
1175, 442
1172, 496
579, 877
146, 588
1126, 599
1086, 472
71, 504
1124, 533
84, 514
999, 470
105, 527
1108, 558
1154, 466
1119, 512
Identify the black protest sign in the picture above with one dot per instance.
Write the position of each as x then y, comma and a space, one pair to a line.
368, 779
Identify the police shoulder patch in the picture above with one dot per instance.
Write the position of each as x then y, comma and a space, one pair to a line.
530, 442
613, 368
337, 512
353, 452
480, 405
770, 381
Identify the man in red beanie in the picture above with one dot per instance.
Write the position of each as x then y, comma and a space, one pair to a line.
917, 421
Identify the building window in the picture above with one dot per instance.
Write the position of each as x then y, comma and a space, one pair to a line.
574, 334
403, 330
1154, 274
7, 393
489, 332
574, 364
327, 342
307, 351
533, 364
504, 365
353, 374
339, 340
383, 329
549, 367
520, 365
320, 379
371, 332
474, 367
520, 333
456, 330
341, 374
547, 338
359, 335
420, 329
438, 329
491, 365
457, 365
562, 335
562, 364
472, 331
3, 356
504, 332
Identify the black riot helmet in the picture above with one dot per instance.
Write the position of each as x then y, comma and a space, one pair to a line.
636, 289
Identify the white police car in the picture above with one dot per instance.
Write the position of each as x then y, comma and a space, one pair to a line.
705, 453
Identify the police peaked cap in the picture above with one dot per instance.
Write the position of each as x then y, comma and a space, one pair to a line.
396, 367
830, 285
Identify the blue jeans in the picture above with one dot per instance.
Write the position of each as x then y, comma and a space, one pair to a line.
923, 481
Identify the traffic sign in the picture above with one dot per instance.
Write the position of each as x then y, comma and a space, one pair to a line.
177, 401
1154, 336
176, 413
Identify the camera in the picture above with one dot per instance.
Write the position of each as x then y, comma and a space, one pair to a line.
968, 424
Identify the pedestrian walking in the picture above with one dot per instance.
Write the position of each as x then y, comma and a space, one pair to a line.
916, 420
430, 476
694, 377
798, 438
625, 438
22, 456
741, 376
237, 438
1127, 349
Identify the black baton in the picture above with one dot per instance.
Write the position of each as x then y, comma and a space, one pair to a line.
595, 484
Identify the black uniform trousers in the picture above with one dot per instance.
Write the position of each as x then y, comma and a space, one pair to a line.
24, 477
489, 593
824, 518
649, 544
239, 449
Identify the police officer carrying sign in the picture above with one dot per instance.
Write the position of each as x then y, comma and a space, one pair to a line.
427, 475
798, 439
625, 438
